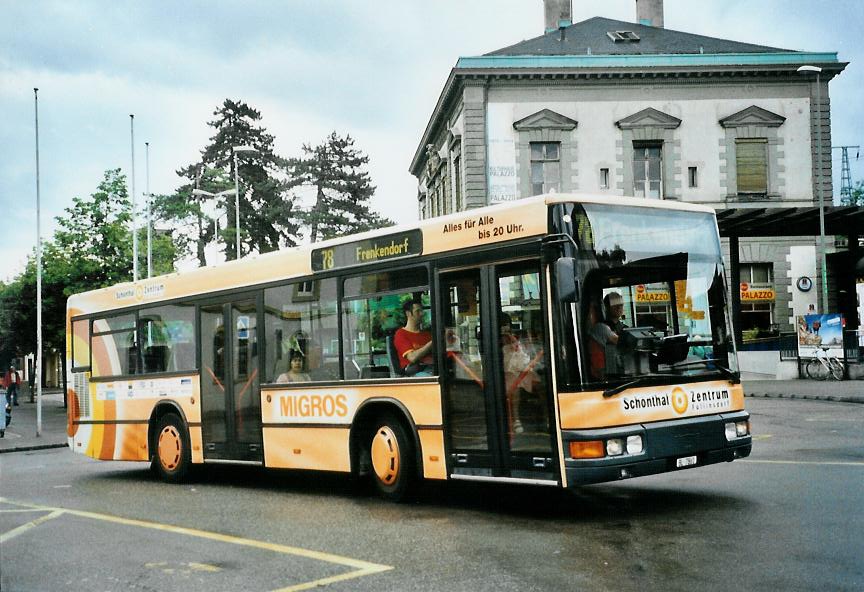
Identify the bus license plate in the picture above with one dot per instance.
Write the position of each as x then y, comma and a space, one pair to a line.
687, 461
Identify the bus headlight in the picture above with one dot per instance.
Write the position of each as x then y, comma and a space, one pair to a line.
737, 429
615, 447
634, 445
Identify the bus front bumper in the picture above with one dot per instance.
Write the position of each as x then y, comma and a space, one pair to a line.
666, 446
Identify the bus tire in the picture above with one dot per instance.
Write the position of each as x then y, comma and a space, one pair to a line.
172, 458
391, 453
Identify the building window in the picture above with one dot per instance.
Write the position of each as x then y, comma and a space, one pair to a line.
757, 319
751, 161
692, 177
648, 170
604, 178
757, 301
545, 167
757, 273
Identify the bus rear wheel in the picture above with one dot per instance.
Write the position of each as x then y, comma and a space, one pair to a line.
172, 457
392, 457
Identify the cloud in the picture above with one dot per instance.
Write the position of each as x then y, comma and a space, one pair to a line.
371, 69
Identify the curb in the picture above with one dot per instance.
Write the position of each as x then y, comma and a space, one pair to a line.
828, 398
36, 447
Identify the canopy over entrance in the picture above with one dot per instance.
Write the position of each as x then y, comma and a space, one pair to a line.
845, 221
839, 220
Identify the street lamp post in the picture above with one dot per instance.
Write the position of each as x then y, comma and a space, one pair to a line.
149, 214
236, 150
213, 195
822, 255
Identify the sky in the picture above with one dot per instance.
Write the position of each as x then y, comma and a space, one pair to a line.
373, 69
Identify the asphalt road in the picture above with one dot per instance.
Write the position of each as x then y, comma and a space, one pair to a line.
788, 518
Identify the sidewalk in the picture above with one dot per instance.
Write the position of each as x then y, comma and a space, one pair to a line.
21, 433
844, 391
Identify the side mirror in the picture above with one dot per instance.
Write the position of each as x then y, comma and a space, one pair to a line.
566, 286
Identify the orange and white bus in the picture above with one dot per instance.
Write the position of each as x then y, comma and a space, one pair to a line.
574, 339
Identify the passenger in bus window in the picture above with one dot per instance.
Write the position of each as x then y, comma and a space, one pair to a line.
296, 372
519, 375
413, 345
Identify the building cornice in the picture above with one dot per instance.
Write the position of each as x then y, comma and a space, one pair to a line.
645, 61
618, 69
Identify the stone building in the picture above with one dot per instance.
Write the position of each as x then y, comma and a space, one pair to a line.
634, 109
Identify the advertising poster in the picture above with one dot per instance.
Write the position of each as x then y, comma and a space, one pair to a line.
820, 331
501, 153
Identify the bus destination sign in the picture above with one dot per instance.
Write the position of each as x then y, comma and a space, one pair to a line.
368, 251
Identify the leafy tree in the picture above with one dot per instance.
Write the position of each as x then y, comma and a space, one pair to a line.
194, 216
857, 197
267, 216
336, 170
91, 248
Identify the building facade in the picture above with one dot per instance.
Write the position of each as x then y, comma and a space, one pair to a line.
618, 108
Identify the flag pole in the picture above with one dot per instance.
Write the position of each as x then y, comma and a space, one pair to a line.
134, 205
38, 278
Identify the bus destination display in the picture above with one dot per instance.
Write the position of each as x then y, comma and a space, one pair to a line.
371, 250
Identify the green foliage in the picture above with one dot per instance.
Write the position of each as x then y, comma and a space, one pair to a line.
267, 216
857, 197
93, 239
192, 216
91, 248
336, 170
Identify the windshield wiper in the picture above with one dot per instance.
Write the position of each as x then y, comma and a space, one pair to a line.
641, 381
723, 370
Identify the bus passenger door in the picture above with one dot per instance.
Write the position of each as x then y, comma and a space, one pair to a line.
230, 394
495, 376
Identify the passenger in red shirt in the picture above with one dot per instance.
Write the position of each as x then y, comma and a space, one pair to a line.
413, 345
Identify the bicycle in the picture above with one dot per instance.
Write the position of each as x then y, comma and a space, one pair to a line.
824, 365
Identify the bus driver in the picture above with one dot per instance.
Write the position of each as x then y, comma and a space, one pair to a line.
413, 345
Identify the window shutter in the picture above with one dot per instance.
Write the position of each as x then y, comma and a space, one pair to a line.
751, 161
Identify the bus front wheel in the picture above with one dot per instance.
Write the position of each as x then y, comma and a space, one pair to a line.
392, 457
172, 458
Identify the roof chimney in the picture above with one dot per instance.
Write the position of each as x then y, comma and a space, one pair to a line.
558, 14
650, 13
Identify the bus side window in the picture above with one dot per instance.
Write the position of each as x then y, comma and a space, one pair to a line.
166, 335
300, 319
373, 312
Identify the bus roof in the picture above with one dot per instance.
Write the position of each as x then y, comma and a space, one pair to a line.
523, 218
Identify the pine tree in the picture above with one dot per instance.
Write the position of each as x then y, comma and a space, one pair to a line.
194, 216
336, 170
267, 216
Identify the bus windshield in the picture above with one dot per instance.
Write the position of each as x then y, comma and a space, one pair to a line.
653, 302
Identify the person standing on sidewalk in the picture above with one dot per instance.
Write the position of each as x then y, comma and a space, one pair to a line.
12, 382
6, 419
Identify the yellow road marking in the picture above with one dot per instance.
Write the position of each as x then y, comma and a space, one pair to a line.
6, 536
204, 567
362, 568
804, 462
182, 567
762, 437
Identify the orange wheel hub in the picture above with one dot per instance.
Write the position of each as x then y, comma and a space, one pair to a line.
170, 447
385, 455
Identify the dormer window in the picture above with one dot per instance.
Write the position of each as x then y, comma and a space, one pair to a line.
623, 36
